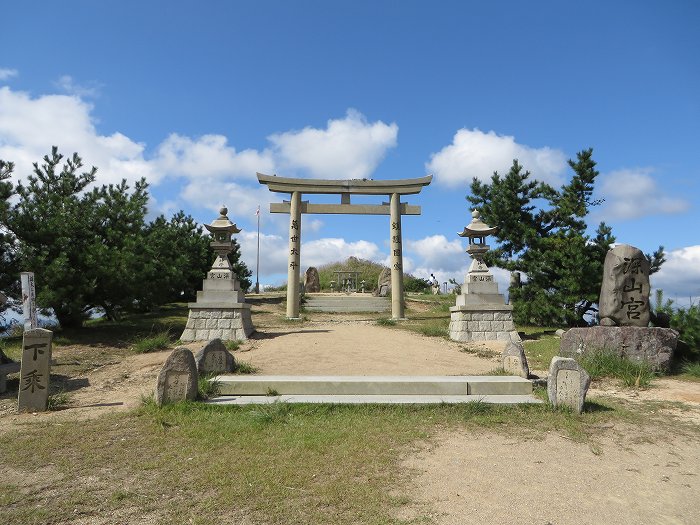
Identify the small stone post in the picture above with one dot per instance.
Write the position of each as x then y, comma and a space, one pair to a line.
36, 370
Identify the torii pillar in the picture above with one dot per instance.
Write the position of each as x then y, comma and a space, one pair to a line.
345, 188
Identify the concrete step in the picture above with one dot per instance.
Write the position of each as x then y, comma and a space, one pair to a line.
237, 385
372, 399
347, 303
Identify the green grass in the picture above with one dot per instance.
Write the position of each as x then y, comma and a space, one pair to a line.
207, 386
242, 367
274, 464
232, 346
609, 364
384, 321
153, 343
58, 400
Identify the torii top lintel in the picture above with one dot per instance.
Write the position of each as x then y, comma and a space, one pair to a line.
351, 186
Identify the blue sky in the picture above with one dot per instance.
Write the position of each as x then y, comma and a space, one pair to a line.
198, 96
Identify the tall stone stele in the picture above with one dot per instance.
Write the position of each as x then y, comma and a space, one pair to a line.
481, 313
220, 311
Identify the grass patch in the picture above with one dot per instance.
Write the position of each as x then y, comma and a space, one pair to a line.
231, 345
294, 464
208, 386
385, 321
540, 351
609, 364
58, 401
478, 352
153, 343
242, 367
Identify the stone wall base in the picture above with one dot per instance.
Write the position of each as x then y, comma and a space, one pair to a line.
652, 345
227, 324
482, 323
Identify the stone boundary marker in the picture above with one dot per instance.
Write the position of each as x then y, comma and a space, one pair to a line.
567, 383
513, 360
177, 380
35, 371
214, 358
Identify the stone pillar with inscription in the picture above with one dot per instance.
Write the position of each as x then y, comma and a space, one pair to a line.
294, 258
36, 368
397, 304
220, 311
480, 312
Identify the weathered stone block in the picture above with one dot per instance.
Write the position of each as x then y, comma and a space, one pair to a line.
187, 335
509, 326
211, 323
513, 360
177, 380
624, 294
216, 333
488, 316
651, 345
567, 383
200, 323
497, 326
227, 314
224, 323
201, 335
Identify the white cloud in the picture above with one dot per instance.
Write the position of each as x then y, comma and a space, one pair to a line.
474, 153
633, 193
436, 253
30, 126
349, 148
679, 276
67, 84
6, 73
210, 156
328, 250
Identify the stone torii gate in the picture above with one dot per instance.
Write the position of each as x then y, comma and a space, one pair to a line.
394, 208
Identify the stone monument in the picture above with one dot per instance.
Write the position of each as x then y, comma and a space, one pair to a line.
624, 315
480, 313
220, 311
36, 370
177, 380
624, 294
312, 281
567, 383
384, 282
513, 360
214, 358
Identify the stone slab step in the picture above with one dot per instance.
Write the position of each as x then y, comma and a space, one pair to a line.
347, 303
237, 385
372, 399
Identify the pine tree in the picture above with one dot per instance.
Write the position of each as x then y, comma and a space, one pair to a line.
542, 233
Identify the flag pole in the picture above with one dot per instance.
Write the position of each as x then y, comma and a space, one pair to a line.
257, 261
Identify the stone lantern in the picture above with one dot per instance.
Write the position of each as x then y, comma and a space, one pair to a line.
222, 230
480, 312
220, 311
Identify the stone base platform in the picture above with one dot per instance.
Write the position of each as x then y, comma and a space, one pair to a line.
373, 399
482, 322
652, 345
237, 385
228, 322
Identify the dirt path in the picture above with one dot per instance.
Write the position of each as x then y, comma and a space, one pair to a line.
494, 479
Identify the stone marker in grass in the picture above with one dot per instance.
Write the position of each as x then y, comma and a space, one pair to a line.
513, 360
36, 368
214, 358
567, 383
177, 380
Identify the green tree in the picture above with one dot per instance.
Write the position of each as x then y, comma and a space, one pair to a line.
9, 269
542, 233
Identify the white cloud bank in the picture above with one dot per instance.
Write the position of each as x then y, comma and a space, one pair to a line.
679, 276
349, 148
633, 193
474, 153
209, 170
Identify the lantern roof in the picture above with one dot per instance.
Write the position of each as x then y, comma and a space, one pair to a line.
222, 223
477, 228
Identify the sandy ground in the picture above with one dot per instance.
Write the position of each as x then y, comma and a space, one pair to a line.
458, 478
